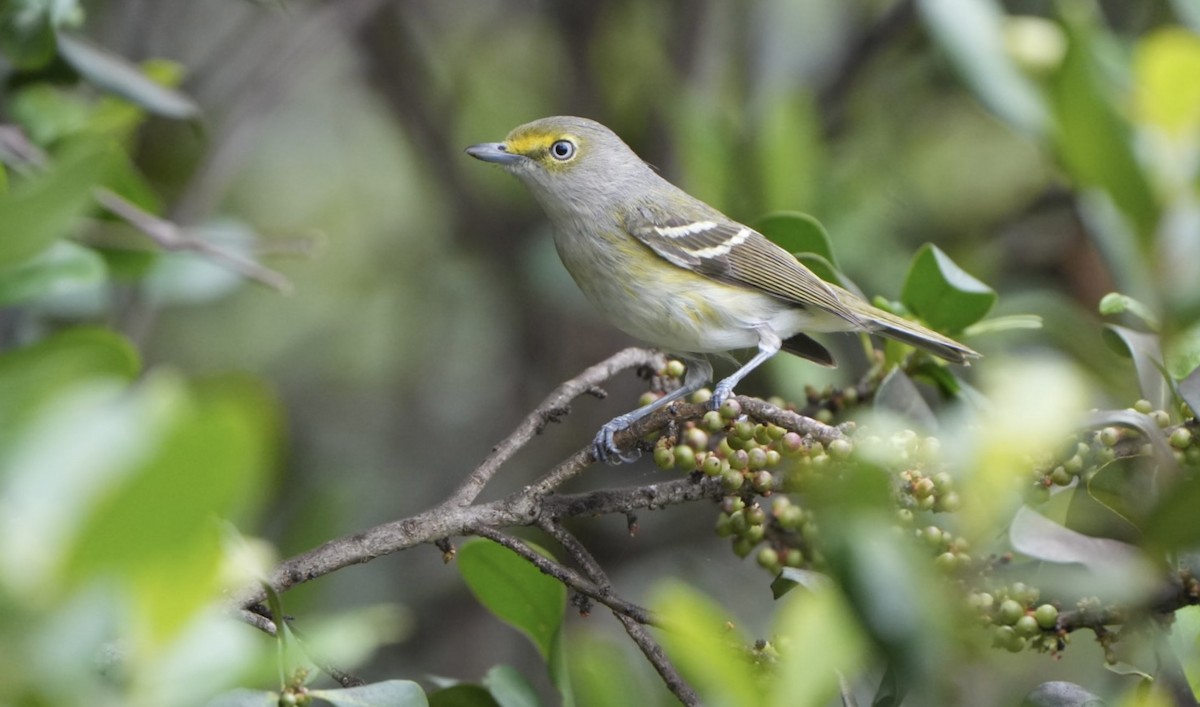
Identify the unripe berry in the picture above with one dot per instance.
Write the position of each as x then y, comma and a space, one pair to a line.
737, 521
791, 443
768, 558
1009, 612
1060, 476
1181, 438
646, 398
755, 515
762, 434
675, 368
664, 457
755, 533
923, 487
1074, 465
685, 457
744, 429
1046, 616
1027, 626
942, 481
932, 536
696, 438
739, 459
1109, 436
840, 449
773, 458
724, 527
946, 562
731, 409
742, 546
763, 482
732, 479
1144, 406
949, 502
795, 558
1161, 418
712, 421
712, 465
757, 458
702, 396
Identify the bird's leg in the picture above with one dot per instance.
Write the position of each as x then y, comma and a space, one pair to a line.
769, 344
699, 372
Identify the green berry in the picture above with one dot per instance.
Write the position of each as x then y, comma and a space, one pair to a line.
743, 546
1144, 406
795, 558
732, 479
702, 396
1161, 418
791, 518
949, 502
755, 515
724, 527
712, 421
744, 429
696, 438
685, 457
712, 465
791, 443
731, 409
942, 481
1002, 636
757, 458
738, 522
926, 504
773, 458
768, 558
755, 532
739, 459
664, 457
763, 482
1181, 438
1046, 616
1059, 476
1074, 465
775, 431
820, 461
1009, 612
905, 516
933, 536
923, 487
824, 415
1027, 626
841, 449
646, 398
946, 562
675, 368
1109, 436
762, 434
732, 504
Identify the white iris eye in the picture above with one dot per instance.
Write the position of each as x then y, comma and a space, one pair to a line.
563, 150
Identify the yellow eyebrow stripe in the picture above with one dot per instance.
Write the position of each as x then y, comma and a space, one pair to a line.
526, 144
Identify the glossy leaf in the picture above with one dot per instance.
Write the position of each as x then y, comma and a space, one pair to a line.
943, 294
1034, 535
514, 591
1147, 358
390, 693
823, 640
115, 74
38, 211
971, 32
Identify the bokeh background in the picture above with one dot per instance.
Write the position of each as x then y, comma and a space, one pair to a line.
429, 311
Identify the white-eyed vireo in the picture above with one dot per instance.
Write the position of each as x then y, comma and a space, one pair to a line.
671, 270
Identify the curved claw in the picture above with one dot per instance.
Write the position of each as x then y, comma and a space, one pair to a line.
721, 393
605, 448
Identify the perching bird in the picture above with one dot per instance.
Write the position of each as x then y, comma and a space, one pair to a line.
674, 272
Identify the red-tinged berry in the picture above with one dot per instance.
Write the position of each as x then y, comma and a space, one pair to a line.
731, 409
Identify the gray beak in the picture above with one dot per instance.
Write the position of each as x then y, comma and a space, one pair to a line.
496, 152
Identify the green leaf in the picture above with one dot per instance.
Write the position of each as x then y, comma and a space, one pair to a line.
823, 640
514, 590
791, 577
711, 655
1183, 352
390, 693
1116, 303
603, 675
1010, 322
943, 294
33, 376
63, 268
38, 211
1095, 143
1189, 390
797, 233
1147, 358
971, 32
462, 696
113, 73
48, 112
509, 687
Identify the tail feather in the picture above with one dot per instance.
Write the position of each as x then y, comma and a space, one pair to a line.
910, 332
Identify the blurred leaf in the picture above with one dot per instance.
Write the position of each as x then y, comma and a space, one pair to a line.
602, 674
942, 294
891, 691
971, 32
1034, 535
1147, 358
65, 266
997, 325
1132, 419
47, 112
1171, 525
1095, 143
705, 645
32, 376
898, 394
1188, 12
38, 211
791, 577
787, 146
390, 693
939, 376
1189, 390
26, 34
1116, 303
1061, 694
514, 590
245, 698
156, 526
509, 687
462, 696
354, 635
822, 639
1183, 353
1121, 668
113, 73
797, 233
1166, 64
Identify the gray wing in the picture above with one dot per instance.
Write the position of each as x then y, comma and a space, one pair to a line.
729, 252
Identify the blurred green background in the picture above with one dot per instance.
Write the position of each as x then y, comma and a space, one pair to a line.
429, 311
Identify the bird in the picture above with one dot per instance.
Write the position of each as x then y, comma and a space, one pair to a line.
676, 273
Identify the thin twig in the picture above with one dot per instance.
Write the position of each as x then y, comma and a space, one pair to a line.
170, 236
568, 577
636, 630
